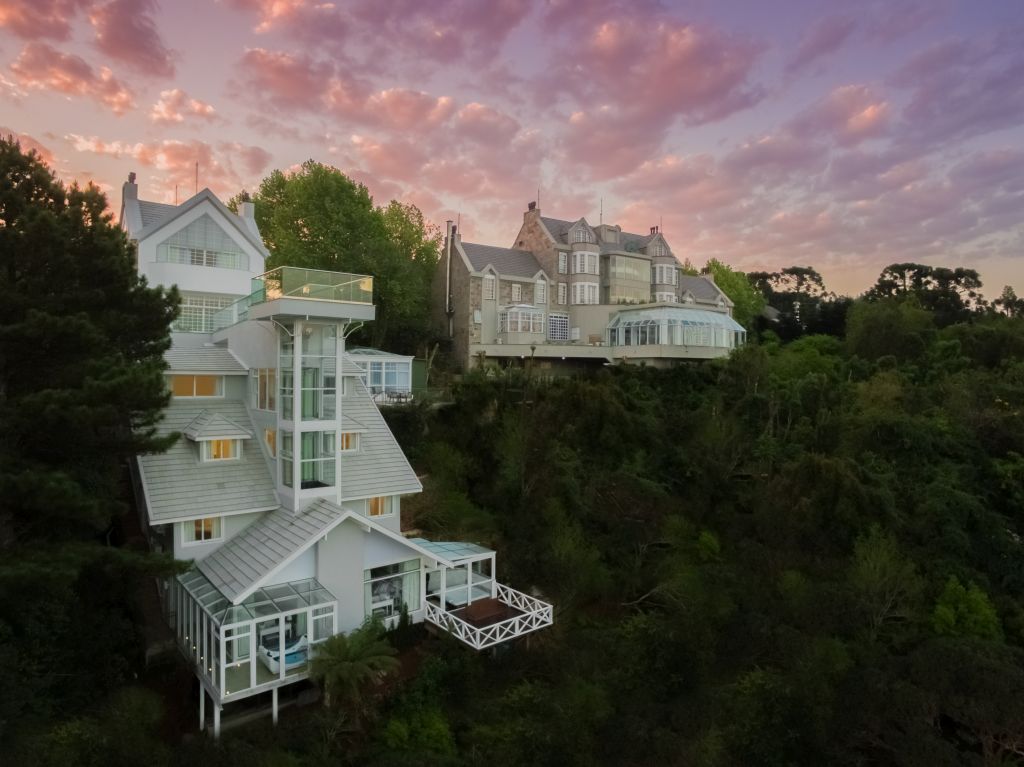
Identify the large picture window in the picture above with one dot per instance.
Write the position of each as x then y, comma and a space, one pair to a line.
197, 386
387, 588
558, 327
197, 313
202, 243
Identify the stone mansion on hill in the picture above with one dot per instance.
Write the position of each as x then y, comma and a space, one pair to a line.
572, 293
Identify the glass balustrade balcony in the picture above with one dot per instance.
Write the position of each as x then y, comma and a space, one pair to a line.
292, 282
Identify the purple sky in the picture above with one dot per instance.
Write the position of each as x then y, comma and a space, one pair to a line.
845, 136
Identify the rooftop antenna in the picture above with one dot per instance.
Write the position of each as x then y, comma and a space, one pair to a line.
458, 221
601, 217
175, 194
661, 224
197, 176
538, 198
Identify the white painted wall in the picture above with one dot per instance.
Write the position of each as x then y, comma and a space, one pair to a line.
301, 568
339, 567
381, 550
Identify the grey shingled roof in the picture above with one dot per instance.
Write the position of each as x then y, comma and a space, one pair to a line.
253, 554
152, 212
638, 240
700, 287
558, 228
178, 486
203, 359
379, 467
210, 425
518, 263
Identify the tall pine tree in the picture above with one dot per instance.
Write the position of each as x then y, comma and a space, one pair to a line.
81, 387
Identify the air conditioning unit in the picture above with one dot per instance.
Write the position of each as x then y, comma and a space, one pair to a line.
574, 334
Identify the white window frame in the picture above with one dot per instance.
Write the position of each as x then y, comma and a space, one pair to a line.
517, 293
270, 440
268, 401
389, 504
216, 535
563, 262
586, 293
219, 386
352, 438
205, 450
490, 287
540, 292
580, 234
563, 293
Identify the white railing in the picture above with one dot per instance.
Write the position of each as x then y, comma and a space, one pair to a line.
535, 615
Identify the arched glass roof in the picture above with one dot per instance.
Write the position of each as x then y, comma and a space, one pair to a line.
675, 315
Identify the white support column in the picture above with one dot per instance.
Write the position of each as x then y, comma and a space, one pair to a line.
494, 576
297, 344
469, 583
273, 694
254, 643
216, 719
444, 587
223, 660
202, 707
282, 657
339, 389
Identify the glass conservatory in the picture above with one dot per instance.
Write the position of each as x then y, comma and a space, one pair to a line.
264, 641
675, 326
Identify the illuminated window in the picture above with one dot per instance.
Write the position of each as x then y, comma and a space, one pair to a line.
221, 450
270, 437
349, 442
197, 386
264, 388
201, 530
379, 506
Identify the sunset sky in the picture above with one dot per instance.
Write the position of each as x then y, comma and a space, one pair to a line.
845, 136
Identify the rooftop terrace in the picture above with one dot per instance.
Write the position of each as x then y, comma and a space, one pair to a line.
296, 283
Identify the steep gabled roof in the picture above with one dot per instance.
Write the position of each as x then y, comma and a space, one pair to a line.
203, 359
178, 486
209, 425
153, 212
148, 229
251, 558
506, 261
701, 288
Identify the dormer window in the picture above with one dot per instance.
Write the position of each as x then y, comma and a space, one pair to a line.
218, 438
221, 449
581, 234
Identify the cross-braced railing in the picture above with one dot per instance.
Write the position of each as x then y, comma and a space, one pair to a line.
534, 614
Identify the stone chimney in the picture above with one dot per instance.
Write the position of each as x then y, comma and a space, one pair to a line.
247, 211
532, 212
130, 190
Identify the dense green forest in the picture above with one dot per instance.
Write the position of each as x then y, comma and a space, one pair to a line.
806, 554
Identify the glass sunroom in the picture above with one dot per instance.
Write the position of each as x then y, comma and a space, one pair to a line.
264, 642
675, 326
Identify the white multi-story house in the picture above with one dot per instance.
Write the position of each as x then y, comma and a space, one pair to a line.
569, 291
285, 486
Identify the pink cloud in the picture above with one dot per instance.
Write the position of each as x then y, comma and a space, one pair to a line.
824, 37
125, 31
41, 67
28, 143
39, 19
627, 72
394, 159
404, 109
850, 114
959, 90
174, 105
224, 167
283, 79
485, 124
